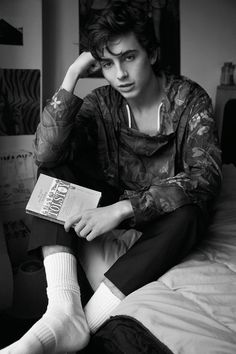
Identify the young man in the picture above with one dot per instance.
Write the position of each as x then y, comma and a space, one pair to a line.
148, 141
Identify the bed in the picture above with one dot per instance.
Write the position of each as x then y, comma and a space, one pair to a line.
192, 308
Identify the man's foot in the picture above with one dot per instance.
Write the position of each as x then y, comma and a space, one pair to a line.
63, 328
57, 331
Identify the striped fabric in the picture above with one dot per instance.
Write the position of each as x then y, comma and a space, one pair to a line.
19, 101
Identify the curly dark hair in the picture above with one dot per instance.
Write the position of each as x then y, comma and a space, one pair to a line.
120, 18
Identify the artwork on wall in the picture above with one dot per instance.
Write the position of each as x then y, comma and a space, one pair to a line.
19, 101
19, 117
165, 15
17, 178
10, 34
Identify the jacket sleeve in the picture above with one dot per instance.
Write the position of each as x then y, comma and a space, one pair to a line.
200, 179
64, 117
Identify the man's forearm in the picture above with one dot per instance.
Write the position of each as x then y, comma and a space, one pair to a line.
76, 70
70, 79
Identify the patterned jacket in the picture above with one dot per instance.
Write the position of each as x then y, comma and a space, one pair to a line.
180, 165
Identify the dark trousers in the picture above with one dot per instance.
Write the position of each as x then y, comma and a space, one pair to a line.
164, 243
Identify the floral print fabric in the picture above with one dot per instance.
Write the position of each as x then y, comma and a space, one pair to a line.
179, 165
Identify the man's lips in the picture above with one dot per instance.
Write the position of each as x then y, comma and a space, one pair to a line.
125, 85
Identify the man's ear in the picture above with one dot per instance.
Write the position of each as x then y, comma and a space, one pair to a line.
153, 57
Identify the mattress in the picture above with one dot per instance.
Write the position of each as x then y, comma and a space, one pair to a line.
192, 308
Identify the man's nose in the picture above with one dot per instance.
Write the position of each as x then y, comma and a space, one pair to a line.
121, 72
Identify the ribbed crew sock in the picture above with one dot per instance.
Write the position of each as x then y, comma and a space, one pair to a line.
100, 306
63, 327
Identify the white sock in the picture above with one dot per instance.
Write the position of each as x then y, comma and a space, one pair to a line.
63, 327
100, 306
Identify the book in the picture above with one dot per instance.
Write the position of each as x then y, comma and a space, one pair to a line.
55, 199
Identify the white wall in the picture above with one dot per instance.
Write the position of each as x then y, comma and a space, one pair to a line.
61, 45
26, 13
60, 41
208, 39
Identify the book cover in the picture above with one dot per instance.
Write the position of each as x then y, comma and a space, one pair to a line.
55, 199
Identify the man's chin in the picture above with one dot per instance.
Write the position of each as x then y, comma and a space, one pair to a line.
129, 94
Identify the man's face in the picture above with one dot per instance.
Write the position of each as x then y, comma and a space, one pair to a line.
127, 66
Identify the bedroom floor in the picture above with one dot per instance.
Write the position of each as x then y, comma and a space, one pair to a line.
12, 329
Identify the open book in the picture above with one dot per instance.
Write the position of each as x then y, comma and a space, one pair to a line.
55, 199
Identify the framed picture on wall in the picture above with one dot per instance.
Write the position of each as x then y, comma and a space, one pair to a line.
165, 16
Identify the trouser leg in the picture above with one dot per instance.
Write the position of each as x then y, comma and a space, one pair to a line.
163, 244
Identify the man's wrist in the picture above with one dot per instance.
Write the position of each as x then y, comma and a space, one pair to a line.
70, 79
125, 209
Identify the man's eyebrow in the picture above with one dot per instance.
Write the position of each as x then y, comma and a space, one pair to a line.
104, 59
130, 51
121, 54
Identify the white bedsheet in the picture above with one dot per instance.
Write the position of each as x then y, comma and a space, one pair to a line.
192, 308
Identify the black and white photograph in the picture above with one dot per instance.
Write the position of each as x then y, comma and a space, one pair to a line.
165, 18
117, 176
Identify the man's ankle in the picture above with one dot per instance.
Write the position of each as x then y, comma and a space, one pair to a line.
52, 249
113, 288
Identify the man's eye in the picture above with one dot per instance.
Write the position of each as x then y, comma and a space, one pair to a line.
106, 65
130, 57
